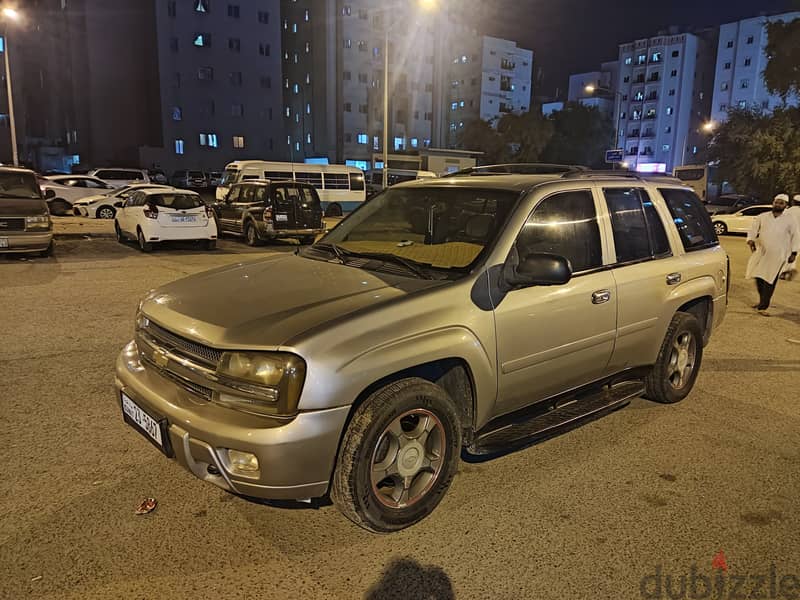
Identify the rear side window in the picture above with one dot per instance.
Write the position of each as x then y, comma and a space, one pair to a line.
337, 181
14, 184
356, 182
564, 224
638, 231
262, 193
233, 195
310, 198
314, 179
691, 218
278, 175
176, 201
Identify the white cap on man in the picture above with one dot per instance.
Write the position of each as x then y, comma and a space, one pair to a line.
784, 197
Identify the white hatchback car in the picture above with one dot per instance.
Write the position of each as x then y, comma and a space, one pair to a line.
105, 205
159, 215
738, 222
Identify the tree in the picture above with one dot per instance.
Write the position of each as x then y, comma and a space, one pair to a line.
528, 135
759, 153
581, 136
782, 74
480, 136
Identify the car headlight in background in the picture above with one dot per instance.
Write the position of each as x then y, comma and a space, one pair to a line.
262, 383
40, 222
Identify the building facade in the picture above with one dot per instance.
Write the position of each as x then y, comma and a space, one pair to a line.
741, 59
605, 83
665, 87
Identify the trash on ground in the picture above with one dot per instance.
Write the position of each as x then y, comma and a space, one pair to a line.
148, 505
37, 578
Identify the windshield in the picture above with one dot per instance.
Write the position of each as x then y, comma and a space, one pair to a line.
176, 201
19, 185
229, 176
442, 228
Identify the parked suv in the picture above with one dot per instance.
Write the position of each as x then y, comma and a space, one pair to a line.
471, 314
121, 177
265, 210
24, 219
189, 179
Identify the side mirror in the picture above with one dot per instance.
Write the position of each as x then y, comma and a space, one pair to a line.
540, 269
49, 194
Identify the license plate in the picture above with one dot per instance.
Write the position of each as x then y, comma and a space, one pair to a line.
184, 218
282, 218
155, 431
3, 242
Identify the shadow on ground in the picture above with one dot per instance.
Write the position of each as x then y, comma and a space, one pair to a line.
406, 579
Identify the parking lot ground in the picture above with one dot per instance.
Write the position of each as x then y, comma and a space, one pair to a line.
608, 510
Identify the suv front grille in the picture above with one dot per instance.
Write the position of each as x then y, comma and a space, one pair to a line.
179, 345
190, 386
12, 224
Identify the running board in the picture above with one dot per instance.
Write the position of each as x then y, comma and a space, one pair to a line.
512, 433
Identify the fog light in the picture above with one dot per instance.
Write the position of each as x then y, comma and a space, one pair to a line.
243, 462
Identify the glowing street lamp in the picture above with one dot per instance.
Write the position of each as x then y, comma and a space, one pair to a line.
9, 14
709, 126
591, 89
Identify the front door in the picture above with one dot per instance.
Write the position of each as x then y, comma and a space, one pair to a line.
227, 209
551, 339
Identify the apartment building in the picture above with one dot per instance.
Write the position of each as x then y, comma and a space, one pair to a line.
604, 82
741, 59
665, 85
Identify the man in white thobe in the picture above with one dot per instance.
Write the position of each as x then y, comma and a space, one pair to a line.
790, 268
774, 239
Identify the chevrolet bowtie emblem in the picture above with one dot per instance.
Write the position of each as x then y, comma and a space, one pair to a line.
161, 358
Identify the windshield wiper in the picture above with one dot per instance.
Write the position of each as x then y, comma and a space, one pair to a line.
421, 270
338, 252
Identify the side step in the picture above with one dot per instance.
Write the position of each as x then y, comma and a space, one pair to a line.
541, 422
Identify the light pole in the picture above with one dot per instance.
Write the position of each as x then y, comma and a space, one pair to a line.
426, 5
13, 15
591, 89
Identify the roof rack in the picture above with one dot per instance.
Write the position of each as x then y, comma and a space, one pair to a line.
605, 174
518, 169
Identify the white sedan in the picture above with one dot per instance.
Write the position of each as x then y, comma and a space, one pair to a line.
105, 205
738, 222
68, 189
155, 215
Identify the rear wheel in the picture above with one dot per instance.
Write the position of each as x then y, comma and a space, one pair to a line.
720, 228
307, 240
398, 456
678, 363
118, 231
251, 234
210, 244
106, 212
333, 210
49, 252
144, 245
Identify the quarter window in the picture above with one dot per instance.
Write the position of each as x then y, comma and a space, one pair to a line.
691, 219
638, 231
564, 224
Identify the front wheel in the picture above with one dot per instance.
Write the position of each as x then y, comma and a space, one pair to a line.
333, 210
678, 363
49, 251
106, 212
398, 456
720, 228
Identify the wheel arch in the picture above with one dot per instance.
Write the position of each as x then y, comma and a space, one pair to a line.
702, 308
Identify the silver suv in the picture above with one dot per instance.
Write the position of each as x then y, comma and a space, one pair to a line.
473, 314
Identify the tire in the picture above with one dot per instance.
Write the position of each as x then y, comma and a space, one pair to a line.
251, 234
333, 210
59, 207
210, 245
408, 406
120, 236
105, 212
49, 252
307, 240
144, 245
678, 363
720, 228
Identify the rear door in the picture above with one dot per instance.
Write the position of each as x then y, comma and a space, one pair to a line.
283, 205
308, 211
227, 210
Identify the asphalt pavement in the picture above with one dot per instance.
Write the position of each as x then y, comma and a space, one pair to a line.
610, 510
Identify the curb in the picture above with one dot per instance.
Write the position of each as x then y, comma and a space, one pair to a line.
83, 236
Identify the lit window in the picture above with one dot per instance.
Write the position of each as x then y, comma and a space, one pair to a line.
669, 110
294, 27
308, 77
307, 15
297, 146
454, 106
308, 108
308, 48
665, 147
348, 43
202, 40
288, 111
399, 143
628, 60
212, 140
308, 138
203, 139
363, 138
201, 6
177, 113
414, 142
656, 57
178, 146
296, 88
743, 104
238, 141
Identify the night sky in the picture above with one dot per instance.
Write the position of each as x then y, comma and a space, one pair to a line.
573, 36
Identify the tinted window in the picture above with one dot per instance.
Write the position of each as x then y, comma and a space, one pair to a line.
314, 179
752, 212
310, 198
691, 219
248, 194
277, 175
176, 201
337, 181
292, 194
638, 231
356, 181
262, 193
229, 176
18, 185
564, 224
233, 195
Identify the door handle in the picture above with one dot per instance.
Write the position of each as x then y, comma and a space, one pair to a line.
601, 297
674, 278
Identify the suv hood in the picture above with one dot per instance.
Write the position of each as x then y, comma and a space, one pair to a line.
23, 207
268, 303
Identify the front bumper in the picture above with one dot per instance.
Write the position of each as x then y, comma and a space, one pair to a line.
296, 457
29, 241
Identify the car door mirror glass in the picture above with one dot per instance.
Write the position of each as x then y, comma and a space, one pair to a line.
540, 269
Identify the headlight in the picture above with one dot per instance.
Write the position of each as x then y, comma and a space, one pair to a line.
142, 322
42, 222
261, 383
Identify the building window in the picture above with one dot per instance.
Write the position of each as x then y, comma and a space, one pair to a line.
399, 143
675, 54
725, 86
238, 141
171, 9
641, 59
743, 104
348, 107
668, 129
674, 73
723, 107
727, 66
234, 44
415, 142
748, 62
362, 46
346, 75
209, 139
628, 60
288, 112
237, 110
730, 44
348, 43
233, 11
264, 49
750, 39
347, 10
363, 138
672, 92
178, 146
626, 79
308, 47
202, 40
263, 17
308, 138
236, 78
205, 74
201, 6
363, 109
296, 88
745, 84
294, 27
656, 57
177, 113
669, 110
429, 116
362, 78
307, 15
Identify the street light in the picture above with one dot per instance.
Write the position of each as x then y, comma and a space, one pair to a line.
9, 14
591, 89
427, 6
709, 126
